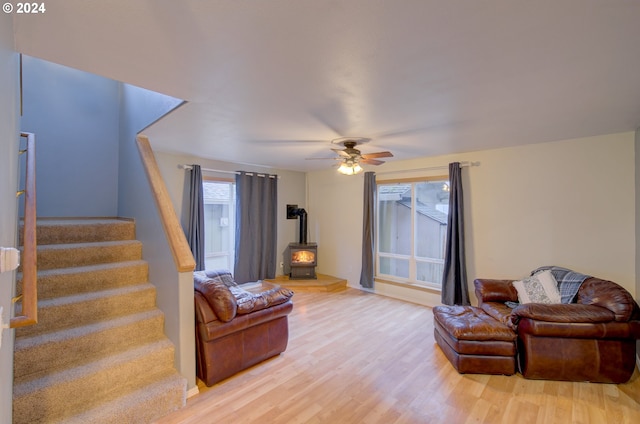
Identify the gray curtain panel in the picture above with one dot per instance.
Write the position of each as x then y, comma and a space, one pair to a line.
256, 227
196, 217
454, 279
368, 230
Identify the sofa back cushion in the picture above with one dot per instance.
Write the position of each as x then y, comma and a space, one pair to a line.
607, 294
490, 290
217, 294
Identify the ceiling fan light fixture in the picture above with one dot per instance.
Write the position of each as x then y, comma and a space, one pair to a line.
349, 167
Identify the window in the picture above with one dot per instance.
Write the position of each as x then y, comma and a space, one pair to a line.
219, 224
412, 230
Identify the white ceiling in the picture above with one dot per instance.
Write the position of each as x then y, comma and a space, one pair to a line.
271, 82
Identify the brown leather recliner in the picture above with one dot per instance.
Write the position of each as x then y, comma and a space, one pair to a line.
590, 340
236, 329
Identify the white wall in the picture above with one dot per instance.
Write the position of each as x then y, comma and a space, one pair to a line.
291, 190
74, 115
569, 203
9, 136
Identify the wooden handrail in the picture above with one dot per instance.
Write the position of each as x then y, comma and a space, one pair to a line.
178, 244
29, 296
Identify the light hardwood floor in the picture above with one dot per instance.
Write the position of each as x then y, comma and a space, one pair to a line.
356, 357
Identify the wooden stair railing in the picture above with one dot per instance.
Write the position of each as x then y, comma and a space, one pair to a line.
182, 256
29, 296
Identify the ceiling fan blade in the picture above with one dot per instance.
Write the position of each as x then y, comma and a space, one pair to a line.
290, 141
322, 158
371, 161
342, 153
377, 155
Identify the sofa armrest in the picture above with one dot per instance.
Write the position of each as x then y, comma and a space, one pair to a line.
565, 313
217, 294
618, 331
488, 290
609, 295
204, 313
218, 329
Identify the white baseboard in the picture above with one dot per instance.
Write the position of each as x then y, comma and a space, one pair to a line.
192, 392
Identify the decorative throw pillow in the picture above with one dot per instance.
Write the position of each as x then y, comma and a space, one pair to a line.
539, 288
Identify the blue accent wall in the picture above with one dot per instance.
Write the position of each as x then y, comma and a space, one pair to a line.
75, 116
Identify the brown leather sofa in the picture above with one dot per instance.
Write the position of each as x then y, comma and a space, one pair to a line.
237, 328
592, 339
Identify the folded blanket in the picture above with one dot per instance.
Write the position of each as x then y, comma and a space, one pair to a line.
223, 274
250, 302
569, 282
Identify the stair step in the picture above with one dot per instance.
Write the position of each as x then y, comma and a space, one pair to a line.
50, 352
75, 280
98, 353
82, 254
82, 230
87, 308
77, 389
141, 406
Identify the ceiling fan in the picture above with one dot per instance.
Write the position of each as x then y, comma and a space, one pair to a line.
351, 158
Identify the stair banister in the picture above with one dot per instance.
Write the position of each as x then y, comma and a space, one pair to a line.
182, 256
29, 296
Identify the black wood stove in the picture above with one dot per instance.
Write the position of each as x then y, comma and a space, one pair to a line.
303, 256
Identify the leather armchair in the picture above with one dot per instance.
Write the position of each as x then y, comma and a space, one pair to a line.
235, 329
590, 340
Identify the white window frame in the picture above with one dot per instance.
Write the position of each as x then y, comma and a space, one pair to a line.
412, 258
232, 215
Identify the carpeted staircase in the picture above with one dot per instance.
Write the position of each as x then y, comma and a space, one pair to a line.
98, 353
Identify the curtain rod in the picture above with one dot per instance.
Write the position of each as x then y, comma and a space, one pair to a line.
429, 168
188, 167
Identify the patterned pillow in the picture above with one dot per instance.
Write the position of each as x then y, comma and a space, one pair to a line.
539, 288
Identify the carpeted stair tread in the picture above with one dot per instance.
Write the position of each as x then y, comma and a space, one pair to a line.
98, 353
80, 230
53, 351
158, 347
79, 388
81, 279
81, 254
141, 406
86, 308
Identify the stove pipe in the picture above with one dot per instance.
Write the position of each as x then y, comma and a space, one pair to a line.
302, 214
